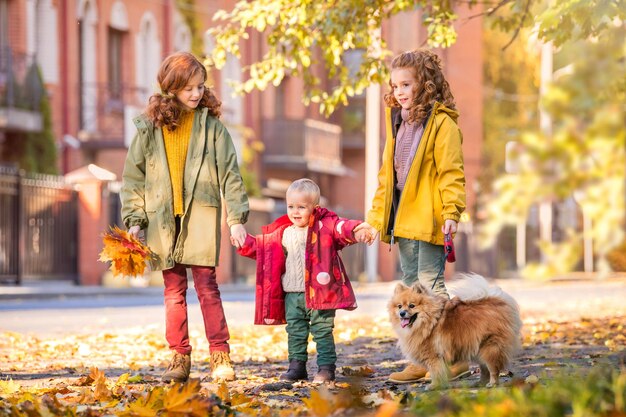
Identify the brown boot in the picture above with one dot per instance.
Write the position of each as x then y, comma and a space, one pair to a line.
178, 369
326, 373
456, 371
221, 367
412, 373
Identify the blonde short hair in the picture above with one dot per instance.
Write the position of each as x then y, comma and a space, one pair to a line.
307, 186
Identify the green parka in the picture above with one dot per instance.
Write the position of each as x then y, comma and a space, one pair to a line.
435, 186
210, 169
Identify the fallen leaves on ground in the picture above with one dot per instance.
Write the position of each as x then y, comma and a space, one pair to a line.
118, 373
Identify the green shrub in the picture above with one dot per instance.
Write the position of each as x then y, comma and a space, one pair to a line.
601, 393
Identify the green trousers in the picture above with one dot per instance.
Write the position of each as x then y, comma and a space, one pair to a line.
301, 321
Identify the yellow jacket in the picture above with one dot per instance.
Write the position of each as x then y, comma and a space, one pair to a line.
435, 186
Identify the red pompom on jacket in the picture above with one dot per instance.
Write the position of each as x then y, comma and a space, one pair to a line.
326, 283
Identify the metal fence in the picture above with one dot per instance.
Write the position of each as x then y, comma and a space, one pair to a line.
38, 227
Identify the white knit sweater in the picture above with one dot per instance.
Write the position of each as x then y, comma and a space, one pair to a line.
294, 242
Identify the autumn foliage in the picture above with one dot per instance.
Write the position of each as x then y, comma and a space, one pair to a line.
128, 256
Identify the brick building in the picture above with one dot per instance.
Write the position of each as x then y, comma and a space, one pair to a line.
99, 60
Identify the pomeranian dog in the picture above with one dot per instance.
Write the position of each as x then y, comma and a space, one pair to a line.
480, 323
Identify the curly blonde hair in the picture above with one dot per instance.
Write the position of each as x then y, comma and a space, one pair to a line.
164, 109
430, 87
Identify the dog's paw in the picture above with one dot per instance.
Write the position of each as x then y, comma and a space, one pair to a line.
491, 384
434, 387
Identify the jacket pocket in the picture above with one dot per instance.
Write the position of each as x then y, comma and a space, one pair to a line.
206, 196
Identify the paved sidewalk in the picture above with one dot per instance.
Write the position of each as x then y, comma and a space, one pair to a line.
57, 289
42, 290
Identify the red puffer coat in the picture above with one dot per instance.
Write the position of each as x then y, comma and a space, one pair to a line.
326, 282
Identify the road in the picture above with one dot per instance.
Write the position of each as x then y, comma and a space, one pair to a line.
91, 314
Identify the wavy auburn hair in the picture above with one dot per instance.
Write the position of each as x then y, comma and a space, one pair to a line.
430, 84
164, 109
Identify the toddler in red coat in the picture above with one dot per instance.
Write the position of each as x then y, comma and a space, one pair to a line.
301, 279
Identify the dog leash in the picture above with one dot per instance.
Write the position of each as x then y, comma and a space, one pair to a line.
443, 266
448, 254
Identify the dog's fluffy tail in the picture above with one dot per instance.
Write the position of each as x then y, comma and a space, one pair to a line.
474, 287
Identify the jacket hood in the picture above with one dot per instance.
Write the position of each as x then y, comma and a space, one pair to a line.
282, 221
320, 212
440, 108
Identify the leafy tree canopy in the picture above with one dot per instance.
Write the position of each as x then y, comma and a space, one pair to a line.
301, 34
582, 156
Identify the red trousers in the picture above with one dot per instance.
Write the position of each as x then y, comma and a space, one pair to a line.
176, 327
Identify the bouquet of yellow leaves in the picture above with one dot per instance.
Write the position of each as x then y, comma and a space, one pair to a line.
128, 256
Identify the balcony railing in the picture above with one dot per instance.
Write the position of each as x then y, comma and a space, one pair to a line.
104, 110
306, 144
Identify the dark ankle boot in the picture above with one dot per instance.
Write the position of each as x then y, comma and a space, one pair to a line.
296, 372
325, 373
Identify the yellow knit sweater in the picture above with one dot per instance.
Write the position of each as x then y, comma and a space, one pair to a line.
176, 145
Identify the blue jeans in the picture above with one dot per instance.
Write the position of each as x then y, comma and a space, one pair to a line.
422, 261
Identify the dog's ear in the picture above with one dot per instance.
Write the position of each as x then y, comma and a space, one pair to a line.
418, 288
400, 287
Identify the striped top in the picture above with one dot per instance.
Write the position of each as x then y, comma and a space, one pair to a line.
408, 139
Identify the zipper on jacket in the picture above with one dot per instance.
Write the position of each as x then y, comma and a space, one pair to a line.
395, 217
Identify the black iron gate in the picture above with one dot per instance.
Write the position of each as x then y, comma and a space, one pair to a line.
38, 227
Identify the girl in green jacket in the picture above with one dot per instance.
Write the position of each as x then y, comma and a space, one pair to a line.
180, 163
421, 184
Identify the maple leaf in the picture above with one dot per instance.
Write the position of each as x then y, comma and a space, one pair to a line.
9, 387
363, 371
222, 392
95, 374
319, 404
101, 391
146, 406
185, 399
138, 409
127, 255
123, 379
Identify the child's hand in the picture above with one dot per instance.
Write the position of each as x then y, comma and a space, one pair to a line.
363, 236
238, 235
449, 227
134, 231
365, 233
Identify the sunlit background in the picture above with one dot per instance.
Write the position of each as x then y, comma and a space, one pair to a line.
540, 87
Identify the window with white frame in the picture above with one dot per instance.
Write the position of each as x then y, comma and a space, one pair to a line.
148, 57
42, 37
87, 19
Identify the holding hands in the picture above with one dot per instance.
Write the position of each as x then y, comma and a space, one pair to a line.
238, 235
365, 233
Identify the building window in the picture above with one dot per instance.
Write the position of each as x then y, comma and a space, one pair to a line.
4, 24
148, 56
115, 63
87, 20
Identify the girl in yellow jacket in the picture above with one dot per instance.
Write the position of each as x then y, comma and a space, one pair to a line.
421, 184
